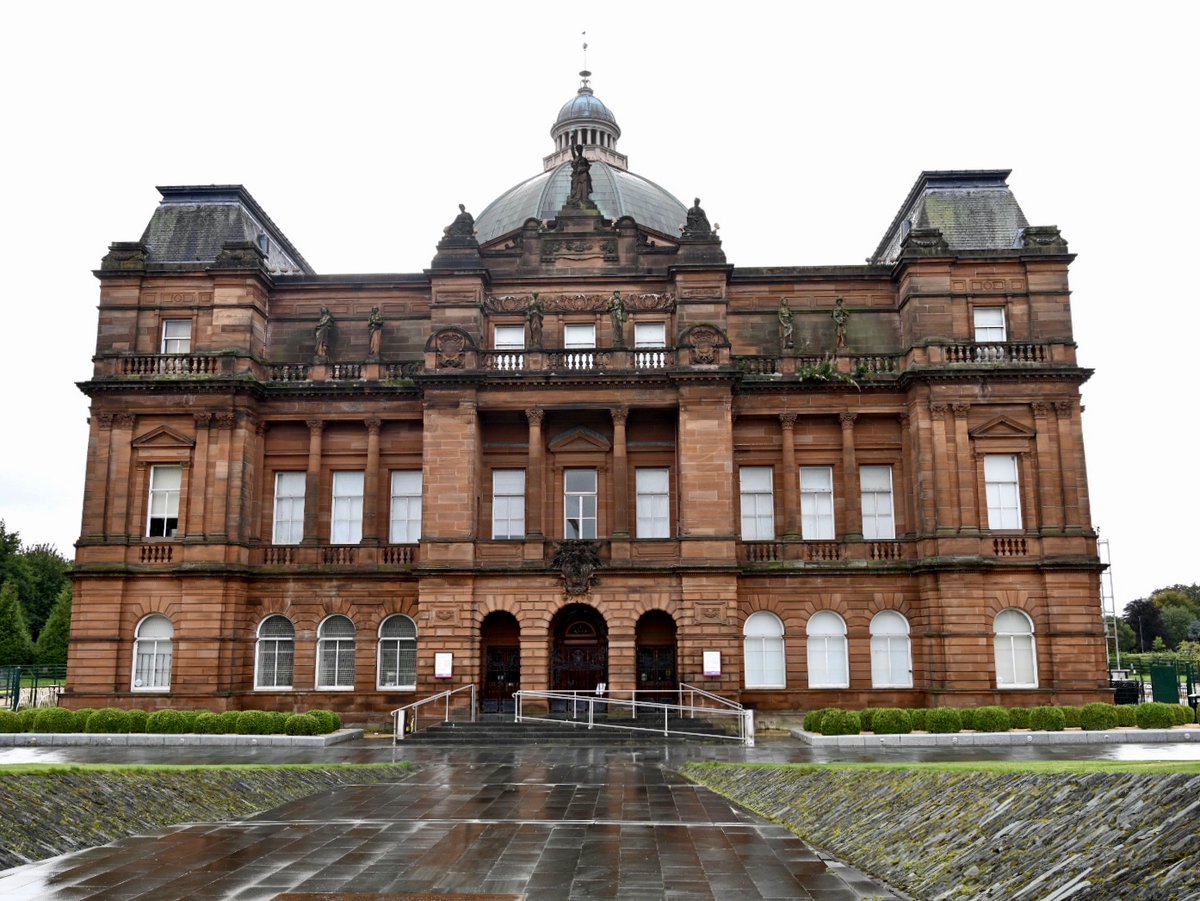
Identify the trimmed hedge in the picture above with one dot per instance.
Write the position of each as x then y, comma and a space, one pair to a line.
891, 721
53, 719
10, 721
109, 719
26, 715
866, 718
168, 722
841, 722
138, 720
1155, 715
333, 722
812, 719
1098, 716
229, 721
1018, 717
942, 720
1184, 715
1126, 714
1070, 716
208, 723
303, 724
253, 722
968, 717
1047, 719
990, 719
919, 717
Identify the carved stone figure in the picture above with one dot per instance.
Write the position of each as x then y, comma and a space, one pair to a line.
463, 225
616, 311
839, 320
697, 223
324, 332
787, 330
535, 310
581, 180
375, 330
451, 350
578, 562
704, 340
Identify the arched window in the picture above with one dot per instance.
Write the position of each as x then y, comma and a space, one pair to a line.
827, 665
152, 654
335, 653
764, 651
398, 652
1016, 660
891, 651
275, 653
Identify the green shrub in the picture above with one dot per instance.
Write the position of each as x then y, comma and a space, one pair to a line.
253, 722
26, 715
81, 717
1070, 716
278, 720
187, 719
10, 721
866, 718
919, 717
54, 719
137, 720
891, 721
229, 721
942, 720
991, 719
1047, 719
333, 722
1155, 716
1098, 716
1018, 717
303, 724
968, 717
167, 722
110, 719
812, 719
1127, 714
1184, 715
207, 723
841, 722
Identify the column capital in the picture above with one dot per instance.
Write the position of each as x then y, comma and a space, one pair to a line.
261, 427
373, 425
125, 420
937, 411
1064, 408
961, 410
316, 426
105, 421
847, 418
787, 421
226, 419
1040, 410
535, 415
619, 415
202, 420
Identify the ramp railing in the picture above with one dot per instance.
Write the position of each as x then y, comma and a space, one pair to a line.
408, 719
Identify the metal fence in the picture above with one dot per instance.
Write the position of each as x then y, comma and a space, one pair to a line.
31, 686
1167, 680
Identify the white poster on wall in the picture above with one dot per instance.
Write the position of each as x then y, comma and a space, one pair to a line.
712, 663
443, 665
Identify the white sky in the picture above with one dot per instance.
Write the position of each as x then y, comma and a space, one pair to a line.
359, 128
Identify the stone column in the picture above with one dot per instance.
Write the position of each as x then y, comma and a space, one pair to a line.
260, 484
965, 467
1031, 515
791, 476
943, 502
620, 474
312, 482
96, 487
372, 524
193, 529
120, 482
853, 505
236, 509
1049, 491
224, 463
534, 474
1076, 514
907, 478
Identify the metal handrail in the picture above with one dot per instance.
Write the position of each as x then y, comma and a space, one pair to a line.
744, 719
694, 690
406, 717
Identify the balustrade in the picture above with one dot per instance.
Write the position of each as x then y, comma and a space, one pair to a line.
1009, 547
653, 359
502, 360
877, 363
156, 553
399, 554
757, 365
279, 555
339, 554
288, 372
171, 364
578, 360
996, 353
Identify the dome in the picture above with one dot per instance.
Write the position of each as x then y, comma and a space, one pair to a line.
585, 106
615, 191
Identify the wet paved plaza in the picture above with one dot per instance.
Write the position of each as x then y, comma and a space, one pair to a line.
553, 822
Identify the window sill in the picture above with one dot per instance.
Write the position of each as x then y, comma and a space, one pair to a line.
396, 688
274, 688
334, 688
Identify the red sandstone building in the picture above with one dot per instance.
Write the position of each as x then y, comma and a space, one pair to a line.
583, 448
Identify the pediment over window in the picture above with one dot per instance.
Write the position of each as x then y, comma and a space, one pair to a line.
1001, 427
579, 439
163, 437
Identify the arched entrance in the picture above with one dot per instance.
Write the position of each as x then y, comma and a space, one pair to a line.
500, 650
654, 639
579, 649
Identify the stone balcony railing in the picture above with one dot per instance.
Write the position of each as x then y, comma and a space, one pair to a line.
338, 555
1009, 352
171, 364
801, 552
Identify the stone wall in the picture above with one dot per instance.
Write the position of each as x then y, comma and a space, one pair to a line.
988, 835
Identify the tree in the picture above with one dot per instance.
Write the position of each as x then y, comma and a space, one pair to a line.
48, 573
1175, 598
1126, 637
1145, 619
52, 643
1176, 622
15, 646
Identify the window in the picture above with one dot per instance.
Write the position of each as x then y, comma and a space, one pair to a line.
406, 507
878, 517
816, 503
335, 653
163, 516
1003, 491
649, 339
1016, 662
577, 336
758, 503
398, 653
891, 653
289, 508
177, 336
653, 503
152, 654
763, 637
508, 503
275, 653
510, 337
827, 663
579, 503
346, 525
989, 324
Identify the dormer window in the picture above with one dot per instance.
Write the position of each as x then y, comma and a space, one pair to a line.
177, 336
989, 325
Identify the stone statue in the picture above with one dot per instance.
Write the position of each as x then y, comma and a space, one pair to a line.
839, 320
787, 339
463, 225
618, 314
581, 179
324, 332
697, 223
535, 310
375, 330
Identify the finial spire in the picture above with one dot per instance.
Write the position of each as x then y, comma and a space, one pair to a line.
585, 49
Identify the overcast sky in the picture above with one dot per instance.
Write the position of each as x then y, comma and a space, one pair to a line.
360, 127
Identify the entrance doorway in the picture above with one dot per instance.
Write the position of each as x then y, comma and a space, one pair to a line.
655, 655
579, 649
500, 647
